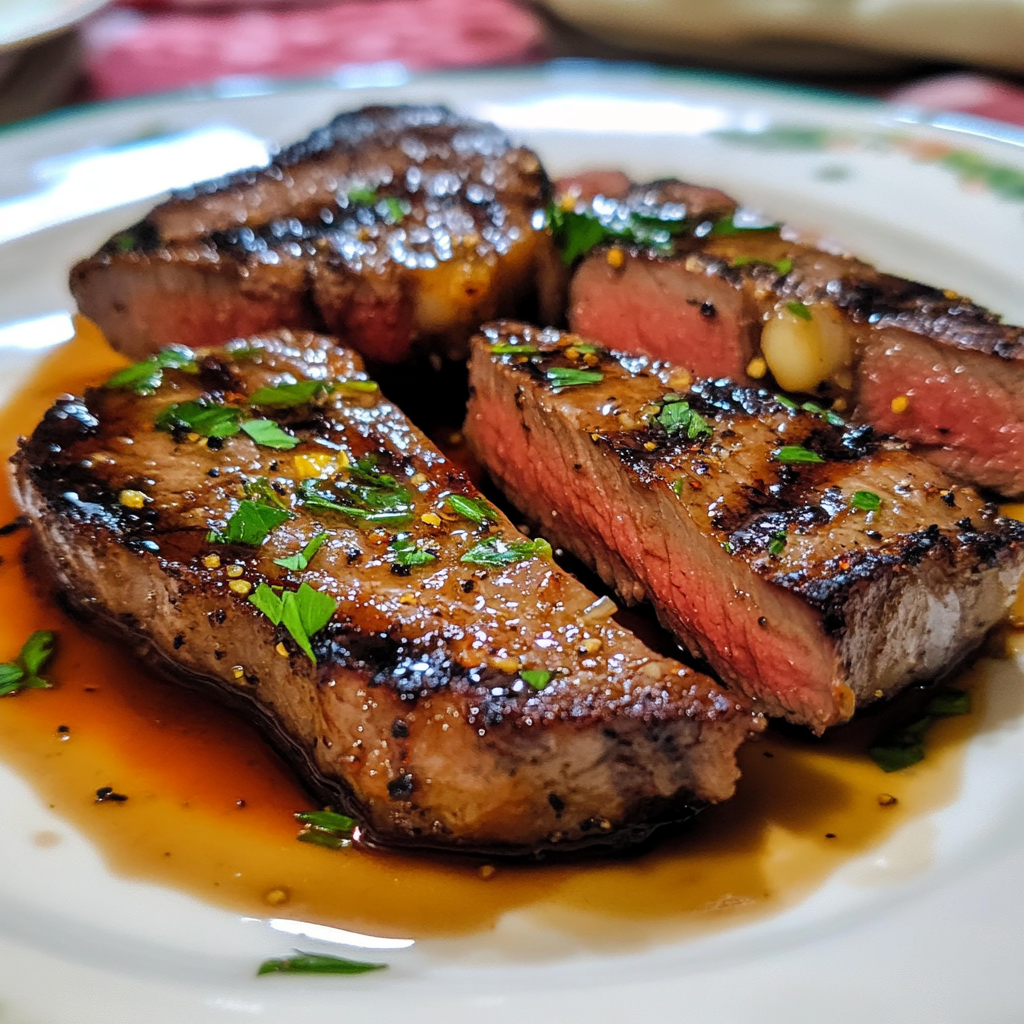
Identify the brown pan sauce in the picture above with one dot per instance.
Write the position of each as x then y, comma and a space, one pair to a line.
210, 807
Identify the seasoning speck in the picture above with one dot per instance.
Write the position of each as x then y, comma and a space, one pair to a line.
431, 519
106, 794
486, 871
900, 404
757, 367
276, 897
240, 586
132, 499
615, 258
887, 800
212, 561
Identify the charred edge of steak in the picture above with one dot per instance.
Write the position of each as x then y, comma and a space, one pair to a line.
652, 816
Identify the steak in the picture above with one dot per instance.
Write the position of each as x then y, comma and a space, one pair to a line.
925, 365
302, 550
395, 227
816, 566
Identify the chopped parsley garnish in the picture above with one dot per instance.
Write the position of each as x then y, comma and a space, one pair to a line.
866, 501
145, 377
476, 510
267, 434
288, 396
261, 489
395, 209
408, 554
793, 453
575, 234
496, 553
677, 417
301, 560
781, 267
538, 678
325, 828
569, 377
787, 402
514, 350
826, 414
583, 348
361, 386
799, 309
728, 226
205, 419
23, 672
303, 612
777, 543
251, 523
316, 963
366, 495
904, 747
362, 196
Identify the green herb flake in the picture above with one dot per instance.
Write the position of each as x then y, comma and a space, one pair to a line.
781, 267
145, 378
23, 672
904, 747
259, 488
584, 349
303, 612
777, 543
496, 553
798, 309
316, 963
251, 523
728, 226
677, 487
569, 377
300, 561
125, 242
476, 510
267, 434
866, 501
408, 554
787, 402
505, 349
790, 454
394, 209
576, 234
205, 419
677, 417
827, 415
325, 828
288, 396
364, 387
362, 196
538, 678
367, 495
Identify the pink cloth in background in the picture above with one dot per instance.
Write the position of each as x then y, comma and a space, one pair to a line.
968, 94
129, 52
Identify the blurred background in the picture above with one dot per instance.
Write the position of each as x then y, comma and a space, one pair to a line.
964, 55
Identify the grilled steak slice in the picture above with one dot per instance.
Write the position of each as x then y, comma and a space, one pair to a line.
392, 226
746, 521
925, 365
466, 692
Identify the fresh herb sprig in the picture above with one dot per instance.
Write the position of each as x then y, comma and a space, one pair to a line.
23, 672
903, 747
251, 523
303, 612
577, 233
316, 963
407, 554
207, 419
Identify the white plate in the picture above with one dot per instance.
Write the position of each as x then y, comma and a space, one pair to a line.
22, 21
879, 942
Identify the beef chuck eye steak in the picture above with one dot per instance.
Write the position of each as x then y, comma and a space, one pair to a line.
924, 364
392, 226
816, 566
465, 693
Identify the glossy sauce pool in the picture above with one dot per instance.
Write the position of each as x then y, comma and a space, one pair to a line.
210, 807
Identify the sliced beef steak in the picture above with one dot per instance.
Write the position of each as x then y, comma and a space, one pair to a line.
926, 365
816, 566
464, 693
392, 226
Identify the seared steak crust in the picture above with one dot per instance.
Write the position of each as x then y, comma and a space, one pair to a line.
754, 535
953, 369
393, 226
485, 704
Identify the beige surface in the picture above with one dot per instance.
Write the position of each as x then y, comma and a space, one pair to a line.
809, 35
